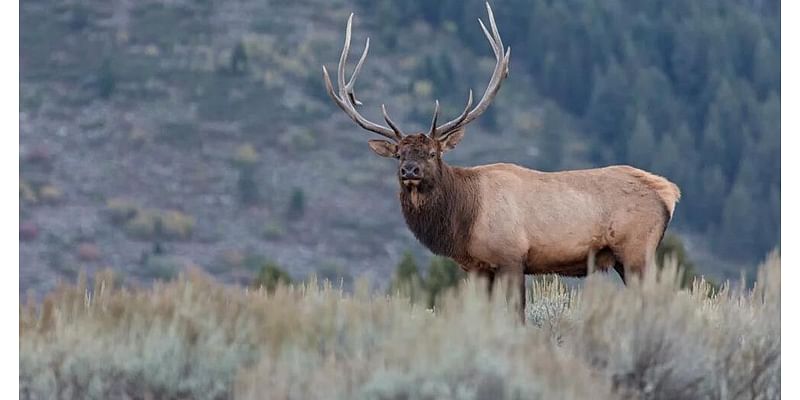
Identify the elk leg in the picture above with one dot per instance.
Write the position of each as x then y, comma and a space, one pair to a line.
637, 257
514, 282
488, 275
621, 271
523, 298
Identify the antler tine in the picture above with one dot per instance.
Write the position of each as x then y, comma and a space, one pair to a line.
493, 24
499, 73
350, 85
345, 98
435, 118
345, 51
491, 39
397, 131
439, 134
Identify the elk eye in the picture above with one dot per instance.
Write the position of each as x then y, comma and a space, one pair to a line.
432, 154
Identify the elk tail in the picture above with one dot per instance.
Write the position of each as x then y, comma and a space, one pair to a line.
669, 192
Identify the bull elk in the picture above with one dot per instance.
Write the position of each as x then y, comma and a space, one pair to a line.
504, 220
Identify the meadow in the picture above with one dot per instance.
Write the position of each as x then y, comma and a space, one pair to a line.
194, 338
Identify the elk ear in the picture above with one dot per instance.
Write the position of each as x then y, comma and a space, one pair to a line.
383, 148
450, 141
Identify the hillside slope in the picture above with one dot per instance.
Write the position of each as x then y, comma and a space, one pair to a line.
156, 135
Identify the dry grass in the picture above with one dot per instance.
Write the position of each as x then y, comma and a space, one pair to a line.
194, 338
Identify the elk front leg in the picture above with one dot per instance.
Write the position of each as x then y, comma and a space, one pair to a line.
514, 281
488, 275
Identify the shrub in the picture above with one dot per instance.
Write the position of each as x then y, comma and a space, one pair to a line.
88, 252
335, 274
273, 230
232, 258
161, 267
28, 231
671, 246
143, 225
239, 59
245, 159
180, 133
26, 193
246, 155
150, 224
194, 338
40, 155
299, 140
407, 268
175, 225
50, 194
106, 79
297, 205
120, 210
248, 188
271, 276
407, 281
78, 17
443, 274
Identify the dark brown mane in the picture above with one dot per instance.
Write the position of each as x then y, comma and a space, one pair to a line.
444, 219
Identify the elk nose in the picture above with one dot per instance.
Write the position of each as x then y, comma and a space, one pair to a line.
410, 171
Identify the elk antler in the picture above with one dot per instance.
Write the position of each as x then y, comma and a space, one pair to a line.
498, 75
346, 98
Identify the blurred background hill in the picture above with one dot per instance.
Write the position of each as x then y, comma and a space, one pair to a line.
160, 134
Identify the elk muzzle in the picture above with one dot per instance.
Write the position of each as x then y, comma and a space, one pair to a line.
410, 171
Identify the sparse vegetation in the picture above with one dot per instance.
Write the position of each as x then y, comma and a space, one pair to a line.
88, 252
175, 225
149, 224
50, 194
270, 276
194, 338
297, 204
334, 273
106, 79
161, 267
26, 193
239, 59
407, 280
298, 140
142, 225
246, 161
121, 210
442, 274
672, 246
273, 230
28, 231
42, 193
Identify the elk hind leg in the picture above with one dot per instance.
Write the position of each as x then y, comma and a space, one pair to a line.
637, 256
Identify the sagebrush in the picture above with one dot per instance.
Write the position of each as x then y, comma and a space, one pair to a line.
193, 338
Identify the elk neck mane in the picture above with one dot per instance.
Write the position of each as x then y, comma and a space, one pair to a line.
442, 215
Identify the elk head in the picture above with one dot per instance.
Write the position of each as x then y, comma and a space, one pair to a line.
420, 154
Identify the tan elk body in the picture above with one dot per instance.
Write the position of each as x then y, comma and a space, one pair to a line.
507, 220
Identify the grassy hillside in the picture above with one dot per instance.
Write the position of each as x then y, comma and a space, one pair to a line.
195, 338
